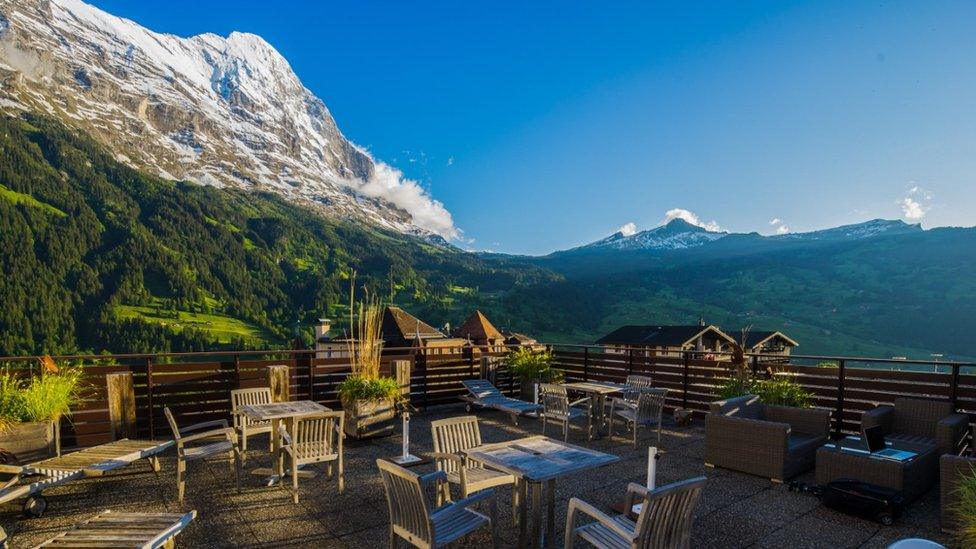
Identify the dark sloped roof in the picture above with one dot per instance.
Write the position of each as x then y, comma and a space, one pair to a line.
758, 337
519, 338
657, 336
478, 327
399, 324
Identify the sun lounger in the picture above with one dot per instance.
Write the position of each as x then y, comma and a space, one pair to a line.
29, 481
112, 529
482, 393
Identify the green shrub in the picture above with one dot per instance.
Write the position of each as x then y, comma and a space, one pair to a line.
42, 397
359, 388
736, 387
965, 509
783, 391
528, 364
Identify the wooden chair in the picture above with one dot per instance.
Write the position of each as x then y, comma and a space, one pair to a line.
218, 439
314, 439
244, 425
451, 437
557, 408
648, 412
412, 519
664, 521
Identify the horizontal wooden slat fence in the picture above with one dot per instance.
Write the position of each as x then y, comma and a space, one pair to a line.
196, 386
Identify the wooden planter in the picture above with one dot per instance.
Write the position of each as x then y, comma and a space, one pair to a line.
368, 418
30, 441
527, 389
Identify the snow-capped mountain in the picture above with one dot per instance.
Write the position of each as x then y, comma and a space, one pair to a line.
676, 235
225, 111
679, 235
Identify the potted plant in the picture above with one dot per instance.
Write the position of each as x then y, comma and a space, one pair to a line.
369, 400
31, 408
532, 368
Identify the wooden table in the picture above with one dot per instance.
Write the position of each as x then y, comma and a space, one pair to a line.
275, 412
598, 391
533, 461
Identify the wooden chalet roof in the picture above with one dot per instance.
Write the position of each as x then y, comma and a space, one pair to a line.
478, 327
755, 338
659, 336
401, 325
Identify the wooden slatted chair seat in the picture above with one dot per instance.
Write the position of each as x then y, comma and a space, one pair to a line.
481, 478
207, 450
601, 535
451, 523
647, 412
453, 436
314, 439
556, 407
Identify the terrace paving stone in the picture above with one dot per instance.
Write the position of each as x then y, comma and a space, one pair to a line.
736, 510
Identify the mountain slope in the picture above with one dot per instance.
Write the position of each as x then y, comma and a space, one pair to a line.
213, 110
97, 255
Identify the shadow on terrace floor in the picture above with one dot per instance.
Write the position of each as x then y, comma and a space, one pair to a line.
736, 510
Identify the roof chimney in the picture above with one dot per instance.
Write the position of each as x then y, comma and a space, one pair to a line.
322, 328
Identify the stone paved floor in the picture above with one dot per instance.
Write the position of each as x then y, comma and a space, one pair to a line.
736, 510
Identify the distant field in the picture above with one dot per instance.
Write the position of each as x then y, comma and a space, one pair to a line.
224, 328
28, 200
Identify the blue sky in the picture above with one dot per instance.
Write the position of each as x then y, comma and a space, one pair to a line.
544, 125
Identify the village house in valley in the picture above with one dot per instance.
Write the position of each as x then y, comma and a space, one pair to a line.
768, 342
479, 331
667, 341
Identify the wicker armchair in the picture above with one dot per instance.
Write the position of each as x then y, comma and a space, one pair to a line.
921, 421
952, 468
776, 442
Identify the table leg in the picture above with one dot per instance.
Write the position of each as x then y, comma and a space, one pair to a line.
536, 489
522, 510
551, 512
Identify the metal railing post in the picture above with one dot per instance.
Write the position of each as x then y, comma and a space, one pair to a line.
954, 387
841, 375
586, 363
684, 382
149, 398
630, 362
237, 370
308, 357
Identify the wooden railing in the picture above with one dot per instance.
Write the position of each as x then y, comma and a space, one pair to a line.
196, 386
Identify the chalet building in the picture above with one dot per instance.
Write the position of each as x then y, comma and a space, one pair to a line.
768, 343
477, 330
515, 339
668, 341
402, 330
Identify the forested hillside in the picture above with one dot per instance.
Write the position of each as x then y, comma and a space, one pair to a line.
97, 256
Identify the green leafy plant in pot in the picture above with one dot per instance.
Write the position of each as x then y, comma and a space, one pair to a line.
369, 399
532, 368
32, 405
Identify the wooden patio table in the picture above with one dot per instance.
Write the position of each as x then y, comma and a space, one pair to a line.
275, 412
598, 391
533, 461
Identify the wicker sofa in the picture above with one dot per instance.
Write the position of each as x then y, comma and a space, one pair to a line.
952, 467
923, 421
776, 442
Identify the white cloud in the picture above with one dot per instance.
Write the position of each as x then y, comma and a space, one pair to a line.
782, 229
776, 221
389, 183
690, 217
450, 161
628, 229
916, 204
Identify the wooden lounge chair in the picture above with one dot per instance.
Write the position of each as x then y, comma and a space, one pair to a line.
245, 426
218, 438
482, 393
136, 530
412, 519
313, 439
664, 521
29, 481
557, 408
451, 437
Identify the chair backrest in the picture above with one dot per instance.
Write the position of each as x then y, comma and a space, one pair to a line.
666, 516
172, 423
407, 503
650, 404
554, 400
245, 397
745, 406
482, 388
639, 382
454, 435
316, 436
918, 416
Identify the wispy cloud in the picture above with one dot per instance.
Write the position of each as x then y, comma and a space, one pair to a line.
389, 183
916, 203
690, 217
781, 227
776, 221
628, 229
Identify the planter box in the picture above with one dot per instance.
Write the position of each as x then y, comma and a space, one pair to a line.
527, 389
368, 418
30, 441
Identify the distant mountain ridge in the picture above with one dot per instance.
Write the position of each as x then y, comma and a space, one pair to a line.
222, 111
679, 234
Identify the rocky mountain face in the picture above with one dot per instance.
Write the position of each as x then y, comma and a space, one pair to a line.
224, 111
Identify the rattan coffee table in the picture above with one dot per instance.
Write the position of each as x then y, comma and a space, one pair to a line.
849, 458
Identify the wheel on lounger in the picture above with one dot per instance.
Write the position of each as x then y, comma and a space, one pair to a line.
34, 506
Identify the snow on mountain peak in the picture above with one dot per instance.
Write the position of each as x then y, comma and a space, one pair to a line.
212, 109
